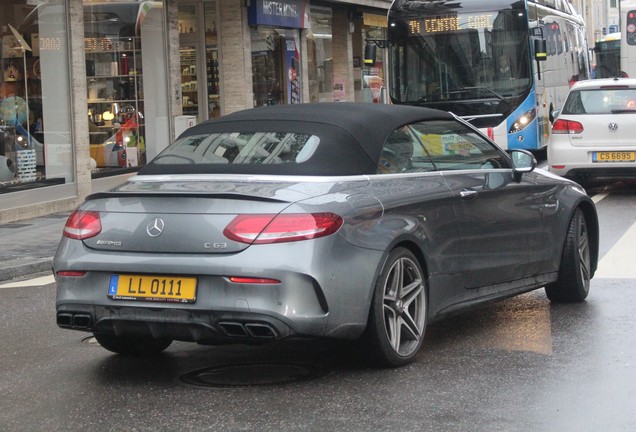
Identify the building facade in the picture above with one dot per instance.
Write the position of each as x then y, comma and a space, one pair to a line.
91, 89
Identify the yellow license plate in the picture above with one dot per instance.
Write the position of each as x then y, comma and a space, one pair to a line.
614, 156
153, 288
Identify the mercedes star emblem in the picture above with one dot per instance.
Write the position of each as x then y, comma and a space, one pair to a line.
155, 228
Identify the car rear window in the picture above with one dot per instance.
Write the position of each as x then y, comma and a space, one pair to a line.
601, 101
254, 148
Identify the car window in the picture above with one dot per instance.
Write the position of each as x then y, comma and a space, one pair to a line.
255, 148
451, 145
403, 152
600, 101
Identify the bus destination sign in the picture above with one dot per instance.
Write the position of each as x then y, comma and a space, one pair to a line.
450, 23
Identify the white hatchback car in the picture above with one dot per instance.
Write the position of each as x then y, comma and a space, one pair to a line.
594, 135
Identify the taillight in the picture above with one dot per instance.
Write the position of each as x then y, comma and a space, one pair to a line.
71, 273
268, 228
82, 225
561, 126
251, 280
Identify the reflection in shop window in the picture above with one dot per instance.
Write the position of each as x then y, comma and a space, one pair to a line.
35, 138
320, 60
373, 76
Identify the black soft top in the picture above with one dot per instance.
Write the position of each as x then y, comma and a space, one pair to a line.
352, 135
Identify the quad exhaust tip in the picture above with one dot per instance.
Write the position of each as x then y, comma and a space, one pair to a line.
245, 330
79, 321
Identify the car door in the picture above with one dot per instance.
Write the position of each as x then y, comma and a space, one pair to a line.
496, 214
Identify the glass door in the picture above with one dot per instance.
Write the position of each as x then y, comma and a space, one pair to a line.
199, 59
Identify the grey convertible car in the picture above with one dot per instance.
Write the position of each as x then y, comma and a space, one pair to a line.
338, 220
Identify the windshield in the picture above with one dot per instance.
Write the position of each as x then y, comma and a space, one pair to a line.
440, 53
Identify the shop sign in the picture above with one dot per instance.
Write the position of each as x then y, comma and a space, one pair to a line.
372, 20
281, 13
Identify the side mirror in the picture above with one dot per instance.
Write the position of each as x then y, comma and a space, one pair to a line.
522, 162
370, 54
540, 50
554, 114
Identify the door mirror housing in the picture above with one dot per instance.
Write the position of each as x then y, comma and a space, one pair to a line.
522, 162
370, 54
540, 50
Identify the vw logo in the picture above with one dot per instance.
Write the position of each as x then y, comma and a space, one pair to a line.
155, 228
613, 126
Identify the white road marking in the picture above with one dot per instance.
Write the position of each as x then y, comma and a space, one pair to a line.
618, 262
39, 281
596, 198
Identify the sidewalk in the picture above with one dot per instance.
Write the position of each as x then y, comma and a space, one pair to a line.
28, 246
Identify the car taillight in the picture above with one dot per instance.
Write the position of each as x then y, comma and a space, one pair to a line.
268, 228
561, 126
82, 225
251, 280
71, 273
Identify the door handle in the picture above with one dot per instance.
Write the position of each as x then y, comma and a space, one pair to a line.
468, 194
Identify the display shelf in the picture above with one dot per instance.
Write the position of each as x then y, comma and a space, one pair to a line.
115, 99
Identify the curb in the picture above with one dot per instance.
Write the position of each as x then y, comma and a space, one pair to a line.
40, 266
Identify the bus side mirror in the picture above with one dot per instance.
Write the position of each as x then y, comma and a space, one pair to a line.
540, 50
370, 54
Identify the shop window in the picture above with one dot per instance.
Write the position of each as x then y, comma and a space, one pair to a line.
199, 60
320, 59
35, 139
373, 76
267, 70
115, 87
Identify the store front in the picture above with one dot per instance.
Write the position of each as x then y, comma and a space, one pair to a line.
371, 77
91, 90
35, 106
126, 92
199, 60
275, 31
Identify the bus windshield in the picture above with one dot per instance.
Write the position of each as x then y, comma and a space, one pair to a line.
441, 52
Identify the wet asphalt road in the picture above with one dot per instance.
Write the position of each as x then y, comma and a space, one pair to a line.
518, 365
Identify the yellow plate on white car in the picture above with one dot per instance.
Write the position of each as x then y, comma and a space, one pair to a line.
152, 288
614, 156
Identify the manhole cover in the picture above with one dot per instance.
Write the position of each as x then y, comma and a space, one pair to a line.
253, 374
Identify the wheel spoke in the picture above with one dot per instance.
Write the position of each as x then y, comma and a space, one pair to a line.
394, 280
584, 252
413, 292
392, 326
411, 327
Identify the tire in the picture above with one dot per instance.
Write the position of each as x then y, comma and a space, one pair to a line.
132, 345
573, 283
397, 319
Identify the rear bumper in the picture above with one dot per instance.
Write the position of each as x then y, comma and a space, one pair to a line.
578, 166
587, 173
198, 326
325, 290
